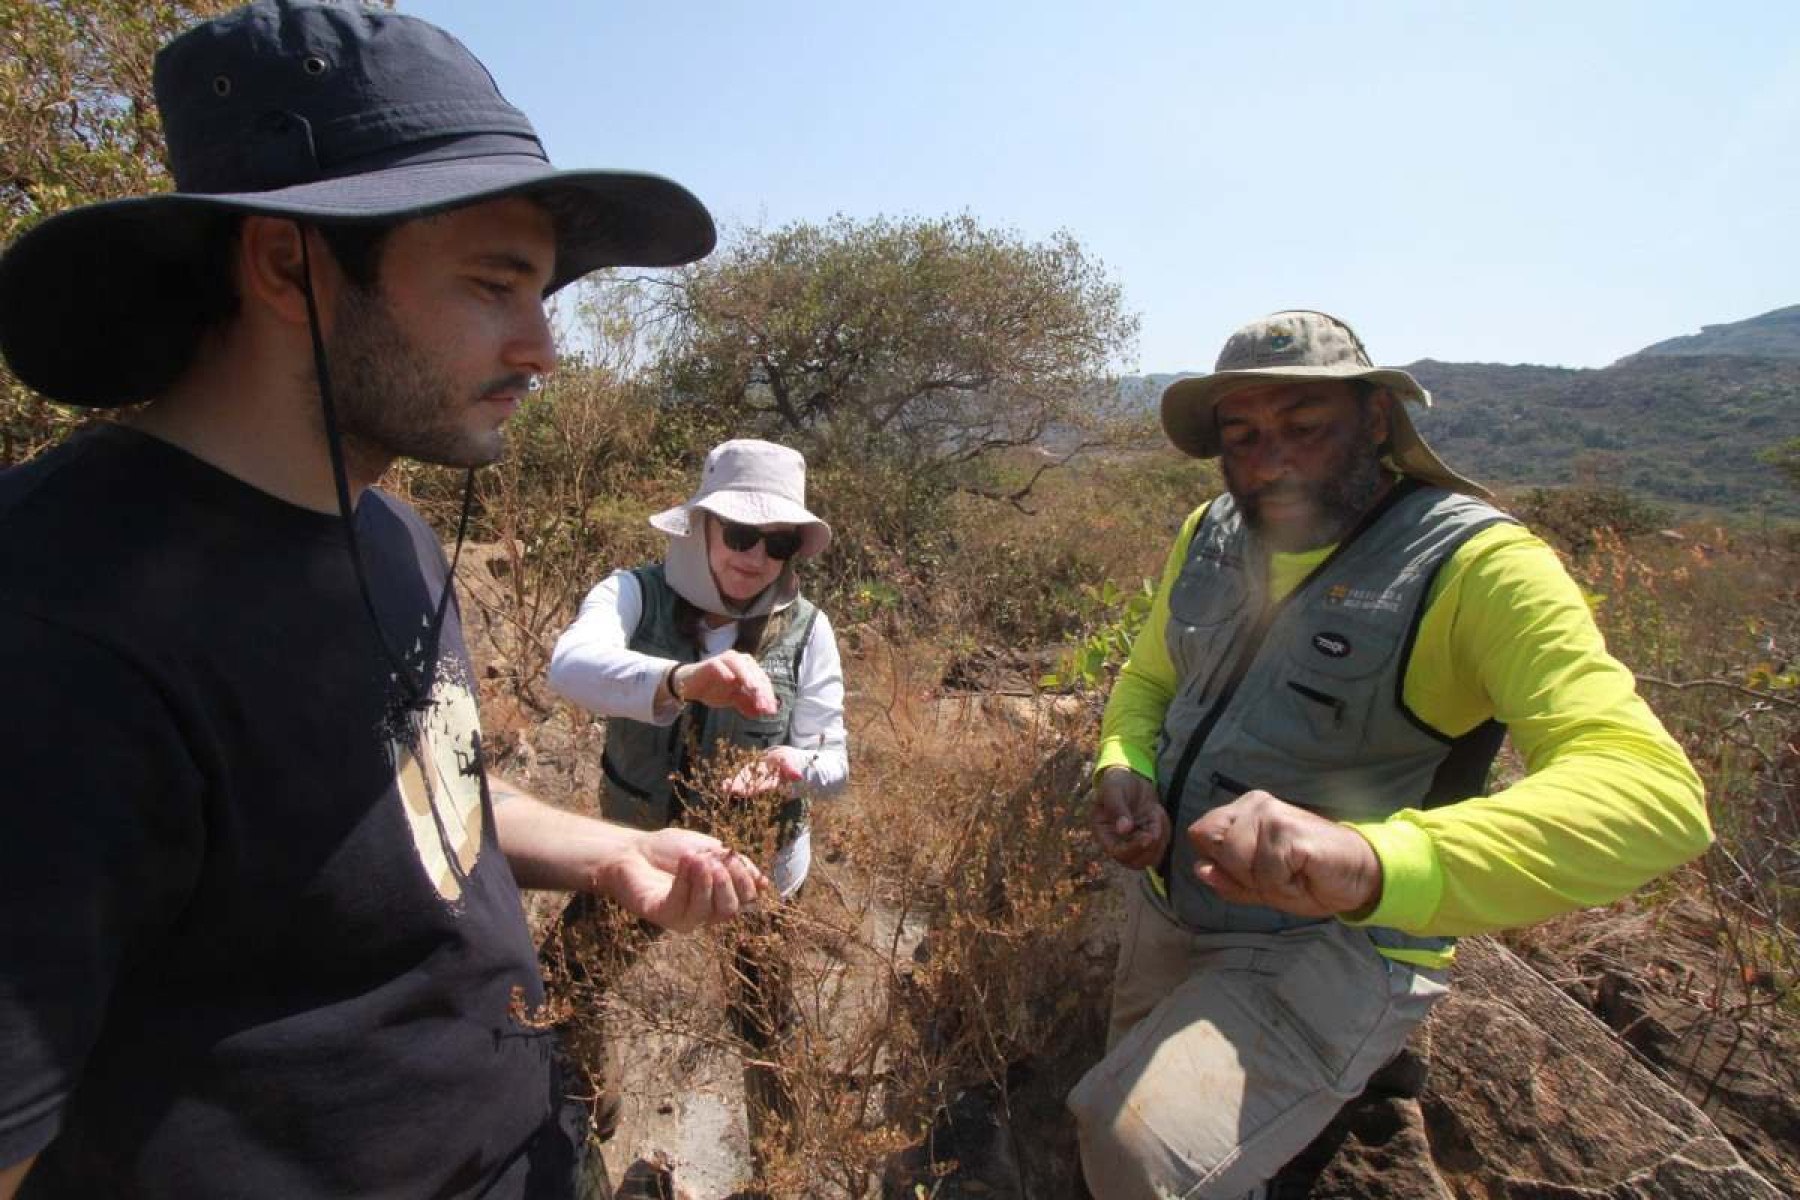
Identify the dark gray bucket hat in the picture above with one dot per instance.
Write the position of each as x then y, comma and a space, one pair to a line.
315, 110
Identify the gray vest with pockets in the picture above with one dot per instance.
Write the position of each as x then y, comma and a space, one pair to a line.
1304, 698
642, 761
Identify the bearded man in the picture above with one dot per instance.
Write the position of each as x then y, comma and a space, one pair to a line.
260, 927
1295, 759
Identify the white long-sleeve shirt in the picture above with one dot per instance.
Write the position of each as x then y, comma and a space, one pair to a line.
594, 667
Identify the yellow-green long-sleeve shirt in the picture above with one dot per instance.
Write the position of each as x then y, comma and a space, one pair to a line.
1609, 801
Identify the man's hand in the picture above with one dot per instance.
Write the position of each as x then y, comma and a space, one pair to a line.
1129, 819
1261, 850
681, 880
778, 766
729, 680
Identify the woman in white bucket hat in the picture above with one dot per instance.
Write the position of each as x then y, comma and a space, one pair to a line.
715, 646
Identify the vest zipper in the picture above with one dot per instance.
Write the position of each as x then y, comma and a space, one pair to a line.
1247, 654
1239, 668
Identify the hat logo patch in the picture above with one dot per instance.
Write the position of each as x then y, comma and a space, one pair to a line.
1332, 645
1280, 339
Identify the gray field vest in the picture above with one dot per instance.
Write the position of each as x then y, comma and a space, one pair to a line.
642, 763
1304, 698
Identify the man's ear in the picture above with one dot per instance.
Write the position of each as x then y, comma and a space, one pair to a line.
272, 269
1381, 404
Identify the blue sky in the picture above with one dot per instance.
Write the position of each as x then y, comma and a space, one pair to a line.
1498, 182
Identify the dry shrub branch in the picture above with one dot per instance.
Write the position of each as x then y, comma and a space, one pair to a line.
914, 962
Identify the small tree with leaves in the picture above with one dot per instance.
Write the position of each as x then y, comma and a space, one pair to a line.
909, 359
931, 346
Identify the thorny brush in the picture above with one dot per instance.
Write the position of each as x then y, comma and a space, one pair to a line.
918, 971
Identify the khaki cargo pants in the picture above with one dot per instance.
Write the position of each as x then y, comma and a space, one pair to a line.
1229, 1052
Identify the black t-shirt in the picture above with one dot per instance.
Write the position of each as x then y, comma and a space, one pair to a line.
256, 935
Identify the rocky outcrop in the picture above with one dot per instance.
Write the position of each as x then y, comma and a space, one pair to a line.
1527, 1097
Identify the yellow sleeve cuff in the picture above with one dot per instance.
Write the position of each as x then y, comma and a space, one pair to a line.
1117, 752
1412, 877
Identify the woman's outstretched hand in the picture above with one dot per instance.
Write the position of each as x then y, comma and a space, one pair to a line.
778, 766
729, 680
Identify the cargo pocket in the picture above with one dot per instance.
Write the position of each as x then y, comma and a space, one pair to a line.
1330, 994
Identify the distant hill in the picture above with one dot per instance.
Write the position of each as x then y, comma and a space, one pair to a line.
1772, 335
1680, 422
1682, 430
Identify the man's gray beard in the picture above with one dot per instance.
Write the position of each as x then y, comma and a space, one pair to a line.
1338, 503
391, 399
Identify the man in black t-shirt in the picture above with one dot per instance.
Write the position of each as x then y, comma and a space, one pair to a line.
260, 928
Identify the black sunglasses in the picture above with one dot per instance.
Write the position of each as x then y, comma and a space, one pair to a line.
781, 544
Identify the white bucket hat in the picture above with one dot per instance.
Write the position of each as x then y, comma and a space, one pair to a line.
750, 482
1291, 347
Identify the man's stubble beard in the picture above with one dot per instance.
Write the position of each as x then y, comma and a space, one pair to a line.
393, 399
1338, 501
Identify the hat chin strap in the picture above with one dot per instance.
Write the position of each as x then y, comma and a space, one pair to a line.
418, 685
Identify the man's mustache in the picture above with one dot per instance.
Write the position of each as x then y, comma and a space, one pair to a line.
507, 383
1281, 491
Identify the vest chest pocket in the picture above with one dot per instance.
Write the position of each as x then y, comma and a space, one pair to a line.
752, 733
1328, 680
1206, 613
1205, 598
1329, 644
760, 733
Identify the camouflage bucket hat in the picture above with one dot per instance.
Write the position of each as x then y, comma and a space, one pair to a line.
1294, 346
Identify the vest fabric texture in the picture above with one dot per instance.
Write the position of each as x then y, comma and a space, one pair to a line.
642, 762
1303, 697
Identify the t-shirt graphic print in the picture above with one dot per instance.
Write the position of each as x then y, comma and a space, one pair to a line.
438, 778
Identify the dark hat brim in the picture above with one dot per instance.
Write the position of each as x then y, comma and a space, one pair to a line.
85, 310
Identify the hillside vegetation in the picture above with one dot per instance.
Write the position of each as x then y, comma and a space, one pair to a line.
1687, 431
1772, 335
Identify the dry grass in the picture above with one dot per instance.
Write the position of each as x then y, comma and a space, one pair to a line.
914, 958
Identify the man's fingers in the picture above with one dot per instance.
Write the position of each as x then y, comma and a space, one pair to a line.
1271, 866
1225, 843
725, 902
696, 871
1134, 844
746, 881
1128, 818
1227, 888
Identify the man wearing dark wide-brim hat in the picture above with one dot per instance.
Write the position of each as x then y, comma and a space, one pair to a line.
1295, 760
260, 926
